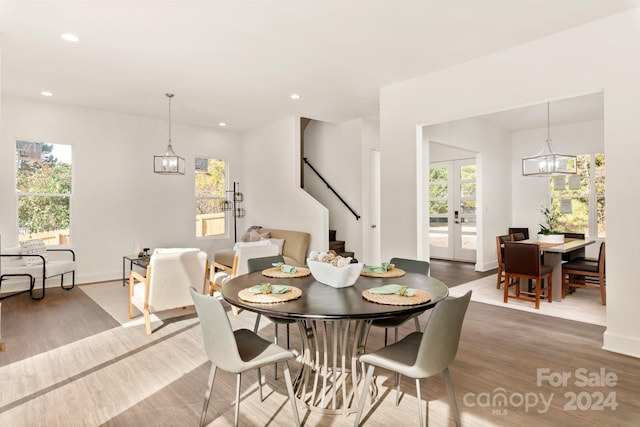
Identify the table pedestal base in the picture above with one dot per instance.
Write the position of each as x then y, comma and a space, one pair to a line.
331, 374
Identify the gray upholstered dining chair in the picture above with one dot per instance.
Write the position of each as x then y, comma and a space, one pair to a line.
422, 355
410, 266
259, 264
236, 351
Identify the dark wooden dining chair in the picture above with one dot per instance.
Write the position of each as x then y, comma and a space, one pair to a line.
573, 254
500, 249
586, 273
522, 261
521, 230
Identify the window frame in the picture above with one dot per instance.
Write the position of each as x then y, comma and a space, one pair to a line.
592, 230
197, 198
26, 194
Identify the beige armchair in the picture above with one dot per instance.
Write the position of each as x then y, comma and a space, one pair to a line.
170, 274
239, 266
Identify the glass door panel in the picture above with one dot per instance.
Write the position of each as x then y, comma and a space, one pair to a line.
452, 210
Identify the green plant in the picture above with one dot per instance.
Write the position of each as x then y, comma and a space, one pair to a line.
551, 218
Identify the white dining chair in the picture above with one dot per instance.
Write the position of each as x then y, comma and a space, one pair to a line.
422, 354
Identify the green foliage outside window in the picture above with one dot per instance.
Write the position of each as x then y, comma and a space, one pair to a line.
43, 184
210, 188
586, 200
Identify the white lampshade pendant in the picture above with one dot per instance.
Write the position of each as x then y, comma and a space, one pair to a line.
169, 163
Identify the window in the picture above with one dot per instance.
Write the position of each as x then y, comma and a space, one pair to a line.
210, 185
43, 188
580, 199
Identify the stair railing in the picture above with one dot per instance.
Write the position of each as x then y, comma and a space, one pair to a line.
331, 188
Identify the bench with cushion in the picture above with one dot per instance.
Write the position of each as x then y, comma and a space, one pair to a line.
33, 261
294, 245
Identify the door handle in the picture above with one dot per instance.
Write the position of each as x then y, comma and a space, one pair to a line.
373, 226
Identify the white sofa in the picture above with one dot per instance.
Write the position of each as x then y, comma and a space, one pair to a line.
15, 273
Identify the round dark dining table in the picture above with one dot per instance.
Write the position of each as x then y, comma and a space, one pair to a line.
323, 302
334, 324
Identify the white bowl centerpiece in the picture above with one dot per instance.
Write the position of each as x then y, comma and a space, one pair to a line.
332, 269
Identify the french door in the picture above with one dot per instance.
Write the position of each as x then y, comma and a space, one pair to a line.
452, 210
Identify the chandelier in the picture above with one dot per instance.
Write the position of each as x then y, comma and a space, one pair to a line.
168, 163
547, 162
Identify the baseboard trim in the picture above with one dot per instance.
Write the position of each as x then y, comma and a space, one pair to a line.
620, 344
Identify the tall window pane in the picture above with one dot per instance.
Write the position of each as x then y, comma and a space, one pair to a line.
579, 200
43, 187
210, 185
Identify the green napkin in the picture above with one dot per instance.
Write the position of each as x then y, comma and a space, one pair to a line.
284, 267
268, 288
405, 291
378, 268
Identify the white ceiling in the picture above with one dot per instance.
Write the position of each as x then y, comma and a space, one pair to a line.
238, 61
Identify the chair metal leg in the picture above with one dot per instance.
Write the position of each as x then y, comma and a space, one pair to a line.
292, 397
275, 339
238, 380
397, 388
255, 327
452, 396
288, 346
417, 323
419, 402
385, 336
363, 396
260, 384
207, 394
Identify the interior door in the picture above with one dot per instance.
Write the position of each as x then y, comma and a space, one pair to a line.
452, 210
374, 228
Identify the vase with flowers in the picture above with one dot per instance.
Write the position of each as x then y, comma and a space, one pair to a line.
548, 233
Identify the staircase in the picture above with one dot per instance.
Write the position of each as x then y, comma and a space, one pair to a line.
338, 245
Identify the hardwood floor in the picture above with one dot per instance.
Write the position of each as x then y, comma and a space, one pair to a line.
456, 273
68, 363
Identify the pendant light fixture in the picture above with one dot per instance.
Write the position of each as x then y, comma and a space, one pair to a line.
169, 163
547, 162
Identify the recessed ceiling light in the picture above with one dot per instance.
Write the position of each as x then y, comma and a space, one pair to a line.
222, 124
70, 37
46, 93
295, 96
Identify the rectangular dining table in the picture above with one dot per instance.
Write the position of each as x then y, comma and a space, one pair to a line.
553, 258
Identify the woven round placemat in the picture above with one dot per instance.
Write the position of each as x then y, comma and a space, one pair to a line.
394, 272
393, 299
279, 274
294, 293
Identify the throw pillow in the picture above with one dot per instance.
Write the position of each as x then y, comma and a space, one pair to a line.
33, 247
245, 235
278, 242
254, 236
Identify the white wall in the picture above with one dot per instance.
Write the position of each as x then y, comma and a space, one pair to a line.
117, 199
600, 56
273, 197
335, 152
